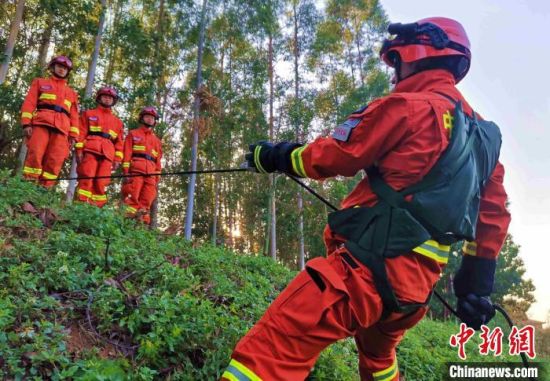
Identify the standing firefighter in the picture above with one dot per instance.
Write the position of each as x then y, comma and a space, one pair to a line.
433, 179
49, 117
99, 150
142, 154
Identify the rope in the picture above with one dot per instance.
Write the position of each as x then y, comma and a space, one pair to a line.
179, 173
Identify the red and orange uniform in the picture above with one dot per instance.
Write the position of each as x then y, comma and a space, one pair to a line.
142, 155
101, 143
51, 109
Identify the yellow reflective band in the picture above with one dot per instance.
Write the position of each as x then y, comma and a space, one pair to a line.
79, 145
229, 376
119, 154
95, 128
386, 374
138, 148
74, 130
113, 134
26, 115
68, 103
48, 176
99, 197
469, 248
434, 250
48, 96
257, 162
85, 193
297, 162
155, 153
241, 372
448, 121
126, 165
32, 171
130, 209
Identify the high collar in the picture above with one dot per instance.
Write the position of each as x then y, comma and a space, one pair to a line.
145, 129
425, 81
106, 110
58, 80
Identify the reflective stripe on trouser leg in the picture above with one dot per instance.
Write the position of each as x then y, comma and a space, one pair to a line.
104, 169
238, 372
36, 147
303, 320
54, 157
86, 168
130, 195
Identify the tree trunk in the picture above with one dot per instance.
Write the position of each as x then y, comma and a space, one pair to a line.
113, 50
216, 207
272, 204
301, 258
196, 117
14, 30
88, 93
45, 42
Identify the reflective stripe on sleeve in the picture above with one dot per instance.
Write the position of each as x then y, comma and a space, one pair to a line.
155, 153
74, 130
79, 145
26, 115
297, 162
434, 250
119, 154
113, 134
126, 164
68, 103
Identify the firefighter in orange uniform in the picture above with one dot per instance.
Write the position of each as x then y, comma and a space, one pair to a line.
142, 155
49, 117
425, 189
99, 150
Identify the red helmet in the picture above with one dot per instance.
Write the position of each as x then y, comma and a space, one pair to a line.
149, 110
428, 38
107, 91
62, 60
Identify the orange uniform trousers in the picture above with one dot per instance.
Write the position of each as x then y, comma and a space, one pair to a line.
138, 194
310, 314
47, 150
93, 190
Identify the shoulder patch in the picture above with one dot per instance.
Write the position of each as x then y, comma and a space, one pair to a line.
343, 131
45, 87
93, 118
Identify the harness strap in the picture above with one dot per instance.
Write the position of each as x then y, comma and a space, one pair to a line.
145, 156
55, 108
102, 134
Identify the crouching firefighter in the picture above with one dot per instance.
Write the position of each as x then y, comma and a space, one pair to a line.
142, 154
433, 178
49, 116
99, 150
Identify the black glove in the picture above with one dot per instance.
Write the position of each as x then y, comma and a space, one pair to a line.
475, 310
473, 283
264, 157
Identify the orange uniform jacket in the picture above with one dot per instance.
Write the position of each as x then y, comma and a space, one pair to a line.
97, 121
404, 134
142, 152
51, 92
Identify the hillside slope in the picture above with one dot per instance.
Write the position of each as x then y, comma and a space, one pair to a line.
88, 295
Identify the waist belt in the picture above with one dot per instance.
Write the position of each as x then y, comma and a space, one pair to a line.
55, 108
145, 156
102, 134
